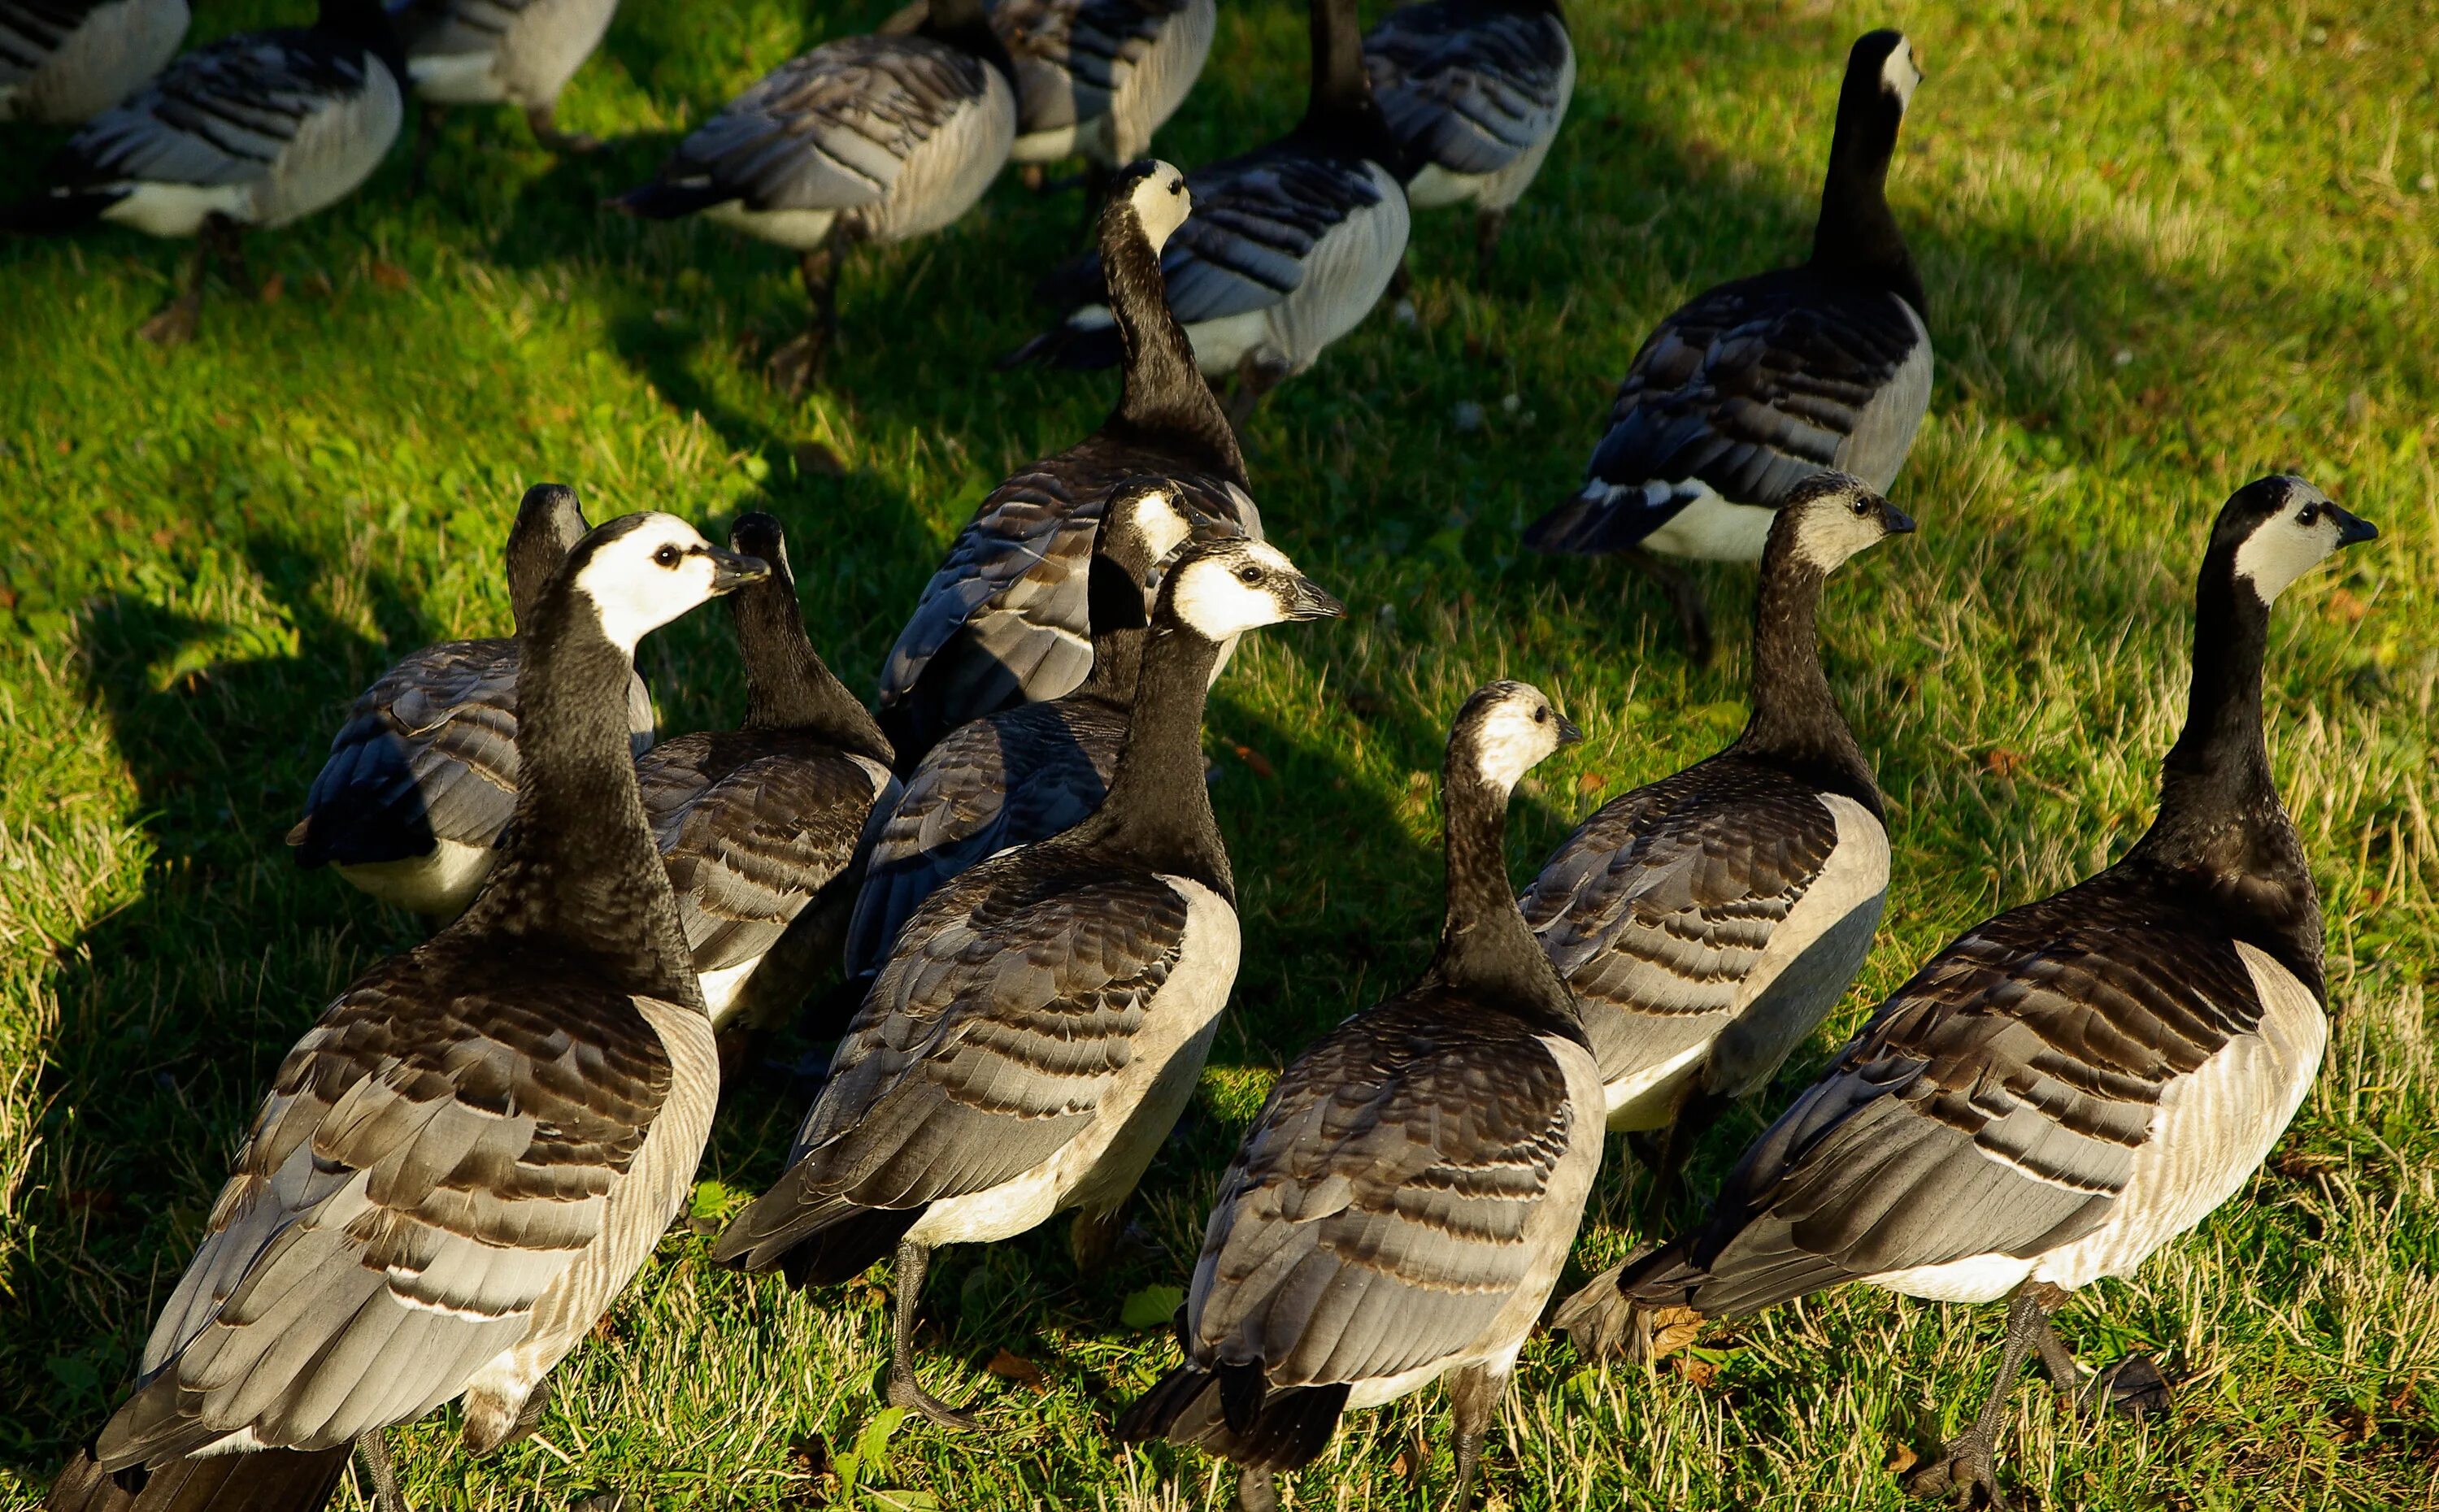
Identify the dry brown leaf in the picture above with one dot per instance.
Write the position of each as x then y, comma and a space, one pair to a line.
1007, 1367
273, 287
1591, 782
1901, 1459
1697, 1372
2344, 606
2001, 762
1260, 763
390, 276
1673, 1328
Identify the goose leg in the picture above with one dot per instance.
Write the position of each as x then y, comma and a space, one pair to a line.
1964, 1470
1255, 379
1685, 597
427, 136
543, 120
1256, 1491
1474, 1398
1664, 1155
372, 1449
1401, 283
174, 325
913, 1260
1486, 229
795, 365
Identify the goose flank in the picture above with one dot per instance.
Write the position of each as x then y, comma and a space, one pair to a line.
64, 62
491, 52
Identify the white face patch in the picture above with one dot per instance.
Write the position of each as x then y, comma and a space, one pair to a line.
1218, 603
1829, 531
647, 577
1156, 519
1161, 204
2282, 548
1898, 75
1511, 741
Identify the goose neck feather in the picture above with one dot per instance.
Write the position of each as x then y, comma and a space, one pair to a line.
1856, 237
787, 685
1486, 948
1341, 112
1165, 401
1795, 723
548, 524
1158, 812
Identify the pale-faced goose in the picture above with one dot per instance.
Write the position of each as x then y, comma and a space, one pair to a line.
467, 1157
423, 776
514, 52
1474, 90
1756, 384
1288, 249
63, 62
1042, 1018
1706, 923
2070, 1085
876, 139
251, 130
1004, 621
1028, 773
760, 826
1405, 1201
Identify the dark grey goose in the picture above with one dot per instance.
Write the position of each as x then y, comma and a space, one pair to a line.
1405, 1201
63, 61
2069, 1086
513, 52
1042, 1018
423, 776
1755, 385
1098, 78
464, 1161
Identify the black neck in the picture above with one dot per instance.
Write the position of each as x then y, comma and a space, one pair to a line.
1341, 110
1486, 947
1857, 237
1158, 812
787, 687
965, 25
1165, 397
533, 556
2221, 829
1795, 723
579, 869
1118, 667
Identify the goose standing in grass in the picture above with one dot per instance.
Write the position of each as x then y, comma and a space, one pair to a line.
1096, 78
877, 139
760, 825
1709, 922
252, 130
1474, 90
478, 1143
1407, 1198
1288, 249
2070, 1085
63, 61
1756, 384
1042, 1018
1004, 621
423, 776
492, 53
1032, 772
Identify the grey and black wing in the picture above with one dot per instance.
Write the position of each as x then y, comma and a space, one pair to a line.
221, 114
1994, 1105
1247, 242
441, 28
1007, 1014
428, 754
435, 1154
1469, 86
32, 30
1070, 54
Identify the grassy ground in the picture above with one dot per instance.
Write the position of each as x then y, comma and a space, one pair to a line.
2169, 246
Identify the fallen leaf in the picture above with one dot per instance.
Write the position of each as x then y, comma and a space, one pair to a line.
273, 287
1401, 1467
1673, 1328
1591, 782
390, 276
1697, 1372
1260, 763
2001, 762
1007, 1367
1901, 1459
2344, 606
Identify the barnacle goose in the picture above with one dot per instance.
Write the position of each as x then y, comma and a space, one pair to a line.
1003, 621
1474, 90
1288, 249
63, 62
1405, 1202
423, 776
1028, 773
760, 825
254, 129
1099, 76
515, 52
463, 1162
876, 139
1043, 1018
1756, 384
1706, 923
2070, 1085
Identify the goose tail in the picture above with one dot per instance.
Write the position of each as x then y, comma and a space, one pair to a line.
1232, 1413
272, 1480
1604, 518
47, 215
1640, 1310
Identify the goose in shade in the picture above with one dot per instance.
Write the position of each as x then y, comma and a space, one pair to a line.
877, 139
463, 1162
252, 130
1032, 772
1288, 249
1042, 1018
760, 826
1758, 385
423, 776
1706, 923
1406, 1200
63, 62
1004, 621
1473, 90
2069, 1086
1096, 78
492, 52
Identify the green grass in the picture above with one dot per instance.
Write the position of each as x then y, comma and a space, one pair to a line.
2169, 247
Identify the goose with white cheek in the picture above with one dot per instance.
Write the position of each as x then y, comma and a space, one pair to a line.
1042, 1018
63, 61
1004, 621
1290, 246
463, 1162
2069, 1086
879, 139
1707, 923
1756, 385
1035, 771
761, 826
252, 130
1474, 90
493, 52
1406, 1199
423, 776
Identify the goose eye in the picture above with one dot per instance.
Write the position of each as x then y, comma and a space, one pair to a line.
1541, 715
2311, 512
1249, 574
1861, 508
668, 555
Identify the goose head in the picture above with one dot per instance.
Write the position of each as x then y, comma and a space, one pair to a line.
1884, 62
1505, 729
758, 535
1829, 517
549, 523
1141, 523
2275, 530
1154, 193
1226, 587
640, 571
